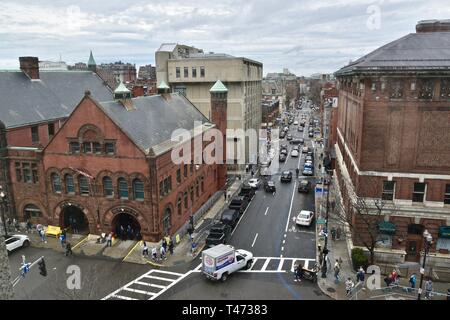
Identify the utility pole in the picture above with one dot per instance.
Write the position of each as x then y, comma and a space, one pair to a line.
6, 288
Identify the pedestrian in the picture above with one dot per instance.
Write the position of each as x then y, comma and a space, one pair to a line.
349, 286
298, 272
29, 226
413, 280
297, 172
144, 249
253, 173
154, 253
225, 196
109, 240
394, 277
42, 235
171, 247
68, 249
162, 253
74, 225
64, 233
337, 269
428, 289
164, 245
360, 275
122, 232
62, 240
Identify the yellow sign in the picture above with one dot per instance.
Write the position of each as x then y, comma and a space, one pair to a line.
177, 238
53, 231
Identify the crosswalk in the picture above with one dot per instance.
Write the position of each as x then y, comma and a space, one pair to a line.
148, 286
155, 282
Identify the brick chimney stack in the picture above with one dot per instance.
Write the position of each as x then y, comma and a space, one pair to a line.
30, 66
433, 26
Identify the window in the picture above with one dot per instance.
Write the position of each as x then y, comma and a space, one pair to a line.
123, 188
138, 189
185, 200
32, 212
108, 190
388, 190
202, 72
110, 148
84, 185
185, 170
191, 168
70, 187
186, 72
34, 173
178, 73
74, 147
87, 147
202, 185
191, 191
447, 194
384, 241
179, 176
51, 130
18, 172
56, 183
35, 134
419, 192
161, 189
194, 72
168, 185
97, 148
179, 208
197, 189
26, 172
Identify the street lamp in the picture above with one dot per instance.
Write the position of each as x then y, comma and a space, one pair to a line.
428, 240
2, 209
325, 249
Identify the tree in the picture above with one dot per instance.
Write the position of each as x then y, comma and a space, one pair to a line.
362, 215
6, 289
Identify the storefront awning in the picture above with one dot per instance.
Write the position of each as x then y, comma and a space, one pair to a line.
444, 232
386, 227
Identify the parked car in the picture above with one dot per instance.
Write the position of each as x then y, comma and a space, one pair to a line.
286, 176
230, 217
295, 123
247, 191
219, 233
284, 152
283, 146
304, 186
269, 186
305, 150
254, 183
239, 203
300, 129
294, 153
297, 141
282, 134
309, 158
304, 218
307, 171
16, 241
296, 148
282, 157
289, 137
311, 134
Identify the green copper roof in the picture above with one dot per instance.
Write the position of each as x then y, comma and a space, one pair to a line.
163, 85
91, 61
121, 88
218, 87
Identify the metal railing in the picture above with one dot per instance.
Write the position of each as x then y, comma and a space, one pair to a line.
396, 291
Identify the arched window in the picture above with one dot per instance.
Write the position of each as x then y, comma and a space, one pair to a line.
32, 212
166, 221
197, 189
185, 200
70, 187
108, 190
138, 189
179, 207
83, 183
123, 188
56, 183
202, 185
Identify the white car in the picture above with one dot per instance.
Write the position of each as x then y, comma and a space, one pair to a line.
294, 153
254, 183
295, 123
16, 241
304, 218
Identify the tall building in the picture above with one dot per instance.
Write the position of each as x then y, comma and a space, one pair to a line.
192, 72
393, 142
147, 72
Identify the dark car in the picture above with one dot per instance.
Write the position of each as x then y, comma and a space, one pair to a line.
300, 129
230, 217
219, 233
269, 186
282, 157
311, 134
283, 146
239, 203
304, 186
282, 134
247, 191
297, 141
309, 157
286, 176
284, 151
289, 137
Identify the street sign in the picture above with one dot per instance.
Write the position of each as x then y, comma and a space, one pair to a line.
321, 221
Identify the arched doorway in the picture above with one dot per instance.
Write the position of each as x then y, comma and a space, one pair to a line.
74, 218
32, 213
126, 226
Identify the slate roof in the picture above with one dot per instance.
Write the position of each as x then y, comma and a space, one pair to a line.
152, 119
415, 51
54, 96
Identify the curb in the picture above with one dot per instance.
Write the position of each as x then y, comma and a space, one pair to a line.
153, 263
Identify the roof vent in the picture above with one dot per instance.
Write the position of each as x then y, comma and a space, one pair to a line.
424, 26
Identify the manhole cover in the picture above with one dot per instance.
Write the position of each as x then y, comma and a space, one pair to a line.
332, 290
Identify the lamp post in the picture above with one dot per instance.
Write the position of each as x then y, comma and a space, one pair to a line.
325, 248
2, 209
428, 239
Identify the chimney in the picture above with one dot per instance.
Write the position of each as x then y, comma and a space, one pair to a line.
30, 66
424, 26
138, 91
164, 90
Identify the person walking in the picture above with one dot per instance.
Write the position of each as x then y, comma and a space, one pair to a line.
62, 240
297, 170
337, 269
29, 226
349, 284
413, 280
42, 235
144, 249
171, 247
162, 253
298, 272
428, 289
360, 275
154, 253
109, 240
68, 249
164, 244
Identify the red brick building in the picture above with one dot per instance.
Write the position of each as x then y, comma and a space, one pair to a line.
394, 141
105, 164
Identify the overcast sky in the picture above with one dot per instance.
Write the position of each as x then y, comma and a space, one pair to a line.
304, 36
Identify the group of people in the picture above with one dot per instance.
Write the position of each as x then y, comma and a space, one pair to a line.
166, 245
128, 233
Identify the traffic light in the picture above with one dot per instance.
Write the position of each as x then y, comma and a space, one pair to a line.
42, 267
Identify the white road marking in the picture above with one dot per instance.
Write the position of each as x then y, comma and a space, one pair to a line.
282, 248
254, 240
290, 208
285, 235
265, 264
122, 297
139, 291
159, 278
280, 265
284, 241
149, 284
265, 213
254, 262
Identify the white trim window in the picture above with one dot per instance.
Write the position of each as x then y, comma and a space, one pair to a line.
447, 194
388, 190
419, 192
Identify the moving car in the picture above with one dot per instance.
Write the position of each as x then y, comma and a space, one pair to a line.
295, 123
284, 151
269, 186
254, 183
289, 137
294, 153
286, 176
247, 191
311, 134
304, 186
305, 150
300, 129
239, 203
307, 171
230, 217
297, 141
282, 157
304, 218
282, 134
16, 241
219, 233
